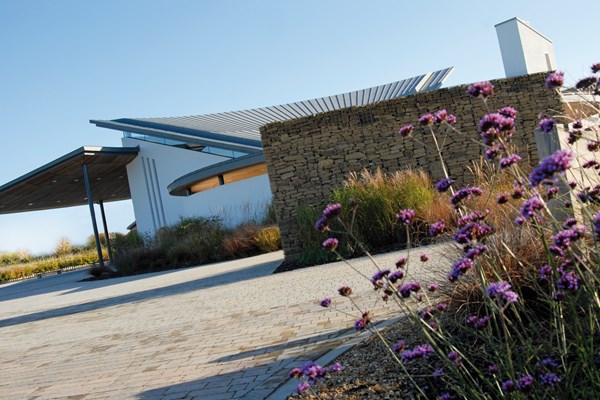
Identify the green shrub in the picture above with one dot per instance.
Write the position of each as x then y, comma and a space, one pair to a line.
18, 257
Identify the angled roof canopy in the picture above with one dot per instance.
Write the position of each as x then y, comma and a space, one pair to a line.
239, 130
60, 183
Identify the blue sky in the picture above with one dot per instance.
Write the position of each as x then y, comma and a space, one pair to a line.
64, 62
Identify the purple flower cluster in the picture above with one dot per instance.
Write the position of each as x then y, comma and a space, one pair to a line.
496, 125
596, 224
311, 373
525, 383
555, 80
508, 386
345, 291
565, 238
473, 231
547, 125
405, 216
465, 194
330, 212
443, 185
401, 262
478, 323
549, 379
530, 207
330, 244
362, 322
426, 119
595, 68
326, 302
568, 281
480, 89
396, 275
443, 116
398, 347
556, 163
407, 288
588, 83
459, 268
473, 252
508, 161
419, 352
545, 272
377, 278
437, 228
501, 290
455, 358
406, 130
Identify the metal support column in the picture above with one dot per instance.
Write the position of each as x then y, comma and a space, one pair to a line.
88, 191
106, 236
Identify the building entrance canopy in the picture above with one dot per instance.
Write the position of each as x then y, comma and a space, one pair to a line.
84, 176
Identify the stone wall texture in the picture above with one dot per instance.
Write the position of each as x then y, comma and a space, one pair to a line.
306, 157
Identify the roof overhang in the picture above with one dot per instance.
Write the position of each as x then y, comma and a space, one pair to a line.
219, 174
60, 183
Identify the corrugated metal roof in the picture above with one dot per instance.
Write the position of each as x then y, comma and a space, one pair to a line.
239, 130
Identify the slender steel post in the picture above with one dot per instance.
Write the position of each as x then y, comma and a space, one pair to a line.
106, 236
88, 191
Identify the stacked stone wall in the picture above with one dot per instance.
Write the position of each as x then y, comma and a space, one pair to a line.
306, 157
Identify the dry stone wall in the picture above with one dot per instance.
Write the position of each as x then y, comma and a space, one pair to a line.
306, 157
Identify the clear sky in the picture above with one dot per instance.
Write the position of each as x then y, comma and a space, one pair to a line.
64, 62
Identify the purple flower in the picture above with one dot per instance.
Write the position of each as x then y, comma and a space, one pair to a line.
459, 268
518, 193
545, 364
525, 383
295, 373
564, 239
465, 193
441, 307
360, 324
508, 161
519, 220
503, 198
472, 320
322, 224
443, 116
586, 83
345, 291
438, 373
455, 358
568, 281
493, 369
480, 89
443, 185
302, 387
437, 228
552, 192
446, 396
549, 379
337, 367
424, 257
398, 347
401, 262
406, 288
326, 302
406, 130
508, 112
508, 386
501, 290
558, 162
472, 231
593, 146
426, 119
421, 351
474, 252
555, 80
530, 207
433, 287
547, 125
330, 244
405, 216
332, 211
396, 275
595, 68
545, 272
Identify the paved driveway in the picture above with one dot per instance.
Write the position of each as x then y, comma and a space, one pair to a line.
221, 331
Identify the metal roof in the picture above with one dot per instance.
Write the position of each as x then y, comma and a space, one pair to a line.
239, 130
60, 183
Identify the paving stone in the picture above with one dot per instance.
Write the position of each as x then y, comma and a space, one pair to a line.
225, 330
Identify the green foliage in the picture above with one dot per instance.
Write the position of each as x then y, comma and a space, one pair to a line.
48, 264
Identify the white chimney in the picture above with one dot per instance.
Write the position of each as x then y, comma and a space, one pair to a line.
524, 50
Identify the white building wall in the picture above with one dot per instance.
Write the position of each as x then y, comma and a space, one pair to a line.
524, 50
156, 166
